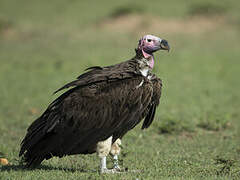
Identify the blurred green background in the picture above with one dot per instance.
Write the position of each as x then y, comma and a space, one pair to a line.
195, 135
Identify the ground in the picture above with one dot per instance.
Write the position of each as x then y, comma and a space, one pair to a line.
196, 132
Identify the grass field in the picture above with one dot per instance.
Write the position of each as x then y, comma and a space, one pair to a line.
196, 132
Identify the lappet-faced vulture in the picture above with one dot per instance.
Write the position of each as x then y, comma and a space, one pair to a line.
100, 107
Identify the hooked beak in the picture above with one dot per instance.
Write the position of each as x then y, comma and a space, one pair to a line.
164, 45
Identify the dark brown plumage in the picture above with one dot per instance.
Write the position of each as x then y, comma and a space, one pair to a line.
102, 102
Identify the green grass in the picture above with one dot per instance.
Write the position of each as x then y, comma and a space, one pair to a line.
196, 132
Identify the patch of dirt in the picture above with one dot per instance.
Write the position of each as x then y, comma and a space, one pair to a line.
138, 23
8, 33
6, 28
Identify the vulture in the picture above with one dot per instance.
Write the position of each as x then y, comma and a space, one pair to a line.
98, 109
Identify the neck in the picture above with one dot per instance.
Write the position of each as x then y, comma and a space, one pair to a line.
149, 57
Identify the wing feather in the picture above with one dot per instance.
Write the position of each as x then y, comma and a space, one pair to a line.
157, 89
90, 112
97, 74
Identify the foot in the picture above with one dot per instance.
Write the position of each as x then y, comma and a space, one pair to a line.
109, 171
117, 168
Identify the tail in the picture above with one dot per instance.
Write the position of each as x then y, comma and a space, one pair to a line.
40, 140
34, 155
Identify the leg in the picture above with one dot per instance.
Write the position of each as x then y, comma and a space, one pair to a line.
115, 151
103, 149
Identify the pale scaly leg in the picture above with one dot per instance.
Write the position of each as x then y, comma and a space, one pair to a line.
103, 149
103, 164
115, 151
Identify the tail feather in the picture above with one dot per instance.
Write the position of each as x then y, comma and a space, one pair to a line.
34, 134
31, 139
43, 149
39, 141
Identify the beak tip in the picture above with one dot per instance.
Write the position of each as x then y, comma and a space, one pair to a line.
164, 45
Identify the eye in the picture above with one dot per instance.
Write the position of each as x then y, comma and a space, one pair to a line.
149, 40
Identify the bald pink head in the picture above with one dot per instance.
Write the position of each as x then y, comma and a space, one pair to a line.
149, 44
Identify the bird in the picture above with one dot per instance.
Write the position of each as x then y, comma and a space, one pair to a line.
98, 109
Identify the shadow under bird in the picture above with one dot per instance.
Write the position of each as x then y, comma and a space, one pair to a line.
102, 105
